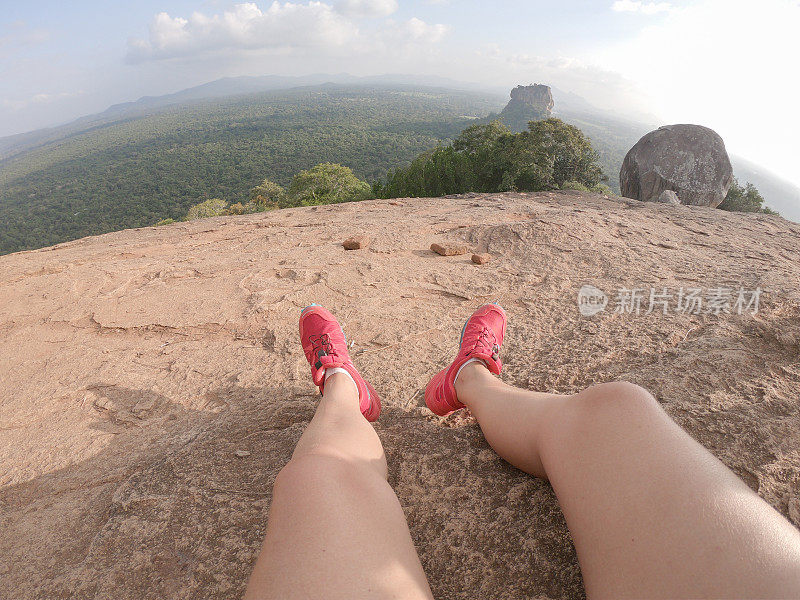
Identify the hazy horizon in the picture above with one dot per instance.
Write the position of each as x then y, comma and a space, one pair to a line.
713, 62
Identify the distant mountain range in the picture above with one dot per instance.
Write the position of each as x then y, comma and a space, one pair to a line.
142, 161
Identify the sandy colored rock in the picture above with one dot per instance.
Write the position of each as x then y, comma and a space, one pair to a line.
135, 364
668, 197
357, 242
481, 258
446, 249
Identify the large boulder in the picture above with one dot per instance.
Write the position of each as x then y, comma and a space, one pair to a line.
690, 160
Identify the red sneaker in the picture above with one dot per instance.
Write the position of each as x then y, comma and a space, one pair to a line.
325, 347
481, 338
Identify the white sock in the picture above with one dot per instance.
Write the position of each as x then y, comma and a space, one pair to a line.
331, 371
471, 360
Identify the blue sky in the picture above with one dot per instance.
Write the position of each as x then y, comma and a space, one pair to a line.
721, 63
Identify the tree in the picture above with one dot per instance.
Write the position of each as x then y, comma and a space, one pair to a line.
264, 196
210, 208
327, 183
477, 139
435, 173
516, 163
483, 146
489, 158
571, 152
745, 199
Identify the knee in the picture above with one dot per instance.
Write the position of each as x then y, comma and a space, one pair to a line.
615, 395
319, 468
326, 473
618, 402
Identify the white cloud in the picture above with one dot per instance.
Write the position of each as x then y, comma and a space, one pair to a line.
647, 8
306, 37
244, 27
367, 8
417, 29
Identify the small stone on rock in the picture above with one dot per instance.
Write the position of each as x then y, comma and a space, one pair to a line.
356, 242
448, 249
668, 197
482, 258
242, 453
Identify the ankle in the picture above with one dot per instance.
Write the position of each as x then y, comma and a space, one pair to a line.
470, 377
339, 381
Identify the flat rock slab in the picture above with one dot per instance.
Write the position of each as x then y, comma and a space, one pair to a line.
138, 367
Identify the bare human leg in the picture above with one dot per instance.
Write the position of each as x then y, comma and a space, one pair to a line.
652, 513
336, 528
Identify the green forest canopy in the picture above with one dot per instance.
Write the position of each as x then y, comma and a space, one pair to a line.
138, 171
